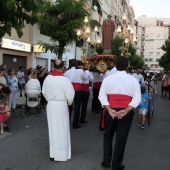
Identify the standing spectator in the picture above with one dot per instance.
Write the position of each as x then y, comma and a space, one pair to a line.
169, 85
21, 79
165, 86
2, 77
42, 74
5, 75
31, 72
13, 85
59, 93
119, 94
139, 77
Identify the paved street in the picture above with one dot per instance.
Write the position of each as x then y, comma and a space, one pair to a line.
26, 147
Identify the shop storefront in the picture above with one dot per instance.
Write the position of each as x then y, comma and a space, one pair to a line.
15, 53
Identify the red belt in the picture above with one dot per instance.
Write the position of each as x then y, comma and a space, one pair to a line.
85, 87
97, 85
77, 86
117, 101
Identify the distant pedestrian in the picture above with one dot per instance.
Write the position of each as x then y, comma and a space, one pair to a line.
59, 93
21, 78
143, 106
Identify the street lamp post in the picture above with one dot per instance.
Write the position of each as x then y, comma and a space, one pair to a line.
84, 34
127, 33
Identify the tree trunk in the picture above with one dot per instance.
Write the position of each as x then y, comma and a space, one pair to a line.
60, 51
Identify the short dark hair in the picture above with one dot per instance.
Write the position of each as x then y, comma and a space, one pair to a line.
2, 69
121, 63
79, 63
73, 63
142, 90
5, 90
59, 66
21, 67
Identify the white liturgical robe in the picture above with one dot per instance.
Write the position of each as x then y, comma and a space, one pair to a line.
59, 93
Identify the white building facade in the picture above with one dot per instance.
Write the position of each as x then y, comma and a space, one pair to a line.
151, 35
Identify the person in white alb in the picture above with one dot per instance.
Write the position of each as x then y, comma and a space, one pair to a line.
119, 94
76, 76
59, 93
139, 77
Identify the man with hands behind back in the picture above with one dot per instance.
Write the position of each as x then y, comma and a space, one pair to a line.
119, 94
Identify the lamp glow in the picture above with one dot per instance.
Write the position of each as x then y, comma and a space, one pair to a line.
129, 28
126, 40
78, 32
87, 30
88, 40
96, 29
124, 18
86, 20
119, 29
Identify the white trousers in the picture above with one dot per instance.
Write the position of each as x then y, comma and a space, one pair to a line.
13, 100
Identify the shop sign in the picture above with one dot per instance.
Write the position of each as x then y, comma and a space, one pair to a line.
37, 48
15, 45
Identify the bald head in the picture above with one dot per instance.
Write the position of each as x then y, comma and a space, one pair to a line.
58, 64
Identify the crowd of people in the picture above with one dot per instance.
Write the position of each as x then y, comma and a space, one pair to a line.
61, 89
13, 85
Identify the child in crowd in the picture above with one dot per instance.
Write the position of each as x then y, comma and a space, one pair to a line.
143, 107
4, 109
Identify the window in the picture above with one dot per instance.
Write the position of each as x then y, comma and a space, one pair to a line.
146, 59
157, 52
150, 59
151, 66
157, 59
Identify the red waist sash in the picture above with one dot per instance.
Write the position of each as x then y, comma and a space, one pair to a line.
97, 85
85, 87
119, 100
77, 86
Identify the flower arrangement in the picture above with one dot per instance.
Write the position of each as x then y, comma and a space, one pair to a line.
100, 63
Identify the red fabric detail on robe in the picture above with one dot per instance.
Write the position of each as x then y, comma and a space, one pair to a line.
56, 73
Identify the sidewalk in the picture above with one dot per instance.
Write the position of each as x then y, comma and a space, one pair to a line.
27, 145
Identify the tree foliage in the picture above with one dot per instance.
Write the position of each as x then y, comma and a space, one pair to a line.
60, 22
165, 58
117, 43
15, 13
136, 61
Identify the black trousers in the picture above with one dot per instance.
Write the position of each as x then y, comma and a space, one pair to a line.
96, 105
77, 105
84, 102
122, 127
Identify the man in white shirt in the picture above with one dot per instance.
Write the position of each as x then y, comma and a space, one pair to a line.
139, 77
21, 76
76, 76
119, 94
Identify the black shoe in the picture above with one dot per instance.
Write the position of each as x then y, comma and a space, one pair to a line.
13, 110
83, 121
105, 165
7, 129
122, 167
77, 127
51, 159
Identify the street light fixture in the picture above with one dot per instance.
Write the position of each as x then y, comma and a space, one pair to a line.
126, 32
84, 33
